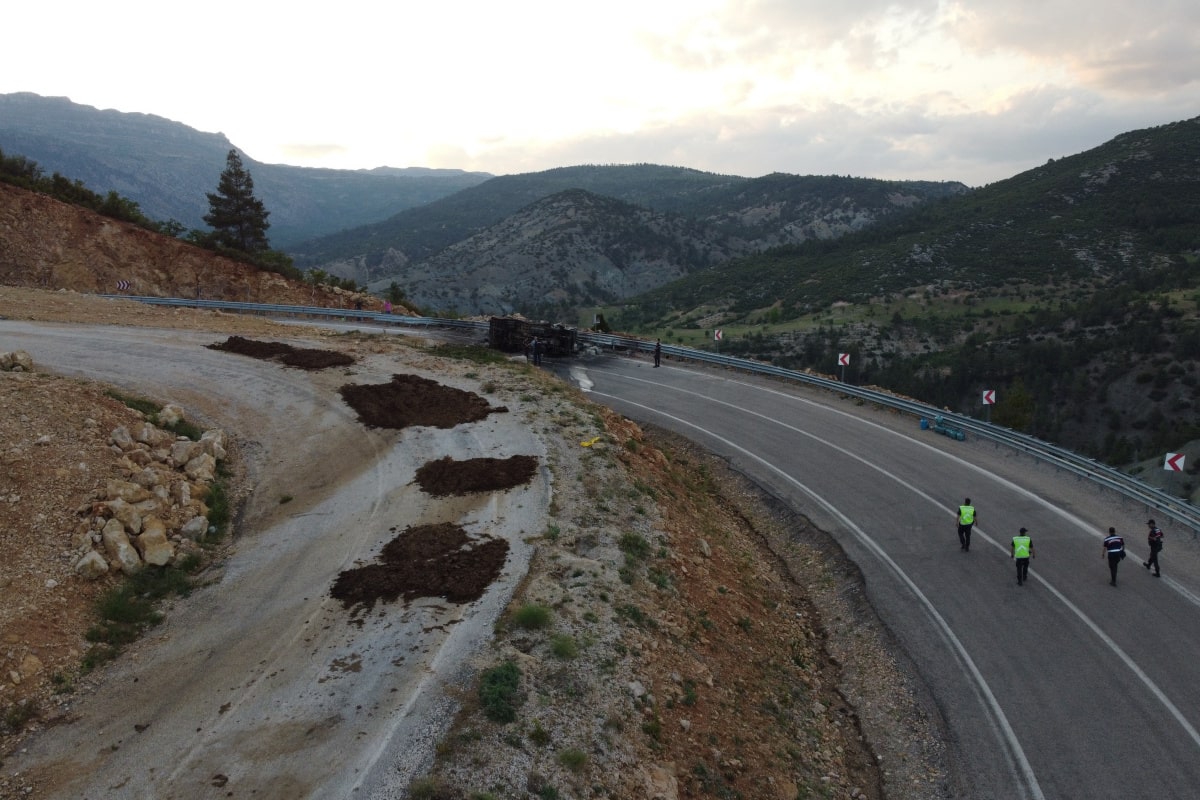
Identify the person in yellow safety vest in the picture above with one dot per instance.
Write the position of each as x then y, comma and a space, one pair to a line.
966, 518
1022, 551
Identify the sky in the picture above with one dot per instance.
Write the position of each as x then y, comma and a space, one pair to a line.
905, 90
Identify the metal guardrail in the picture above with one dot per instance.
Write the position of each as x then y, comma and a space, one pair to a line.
1163, 504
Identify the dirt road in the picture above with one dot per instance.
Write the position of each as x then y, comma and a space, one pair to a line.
261, 679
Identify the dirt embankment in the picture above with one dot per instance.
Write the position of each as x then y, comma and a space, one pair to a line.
48, 244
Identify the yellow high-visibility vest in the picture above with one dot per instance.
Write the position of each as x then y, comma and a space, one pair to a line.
966, 515
1021, 546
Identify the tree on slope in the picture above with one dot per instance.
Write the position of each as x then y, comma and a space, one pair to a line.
237, 217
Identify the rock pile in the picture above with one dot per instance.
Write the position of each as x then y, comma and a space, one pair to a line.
156, 516
16, 361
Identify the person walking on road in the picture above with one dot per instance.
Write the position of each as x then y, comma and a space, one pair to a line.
1155, 540
1114, 551
657, 351
966, 518
1022, 551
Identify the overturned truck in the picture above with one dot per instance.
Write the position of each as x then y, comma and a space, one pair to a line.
513, 335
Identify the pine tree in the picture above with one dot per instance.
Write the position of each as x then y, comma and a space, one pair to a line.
237, 217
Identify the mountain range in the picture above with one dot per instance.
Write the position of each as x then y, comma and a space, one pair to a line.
431, 231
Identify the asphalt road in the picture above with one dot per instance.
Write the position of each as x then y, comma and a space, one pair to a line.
1065, 687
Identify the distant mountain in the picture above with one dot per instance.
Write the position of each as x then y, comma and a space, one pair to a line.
728, 215
1070, 290
570, 249
168, 168
1110, 211
418, 233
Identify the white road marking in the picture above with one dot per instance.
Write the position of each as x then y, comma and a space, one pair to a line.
1016, 753
1084, 618
1016, 750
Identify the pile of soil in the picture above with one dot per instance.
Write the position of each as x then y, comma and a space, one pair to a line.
286, 354
449, 477
413, 400
425, 561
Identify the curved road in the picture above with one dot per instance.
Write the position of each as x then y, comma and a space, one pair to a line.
1062, 688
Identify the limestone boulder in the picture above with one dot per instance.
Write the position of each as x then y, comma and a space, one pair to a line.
91, 566
128, 491
201, 468
194, 528
126, 514
153, 544
213, 443
184, 450
170, 415
119, 549
122, 438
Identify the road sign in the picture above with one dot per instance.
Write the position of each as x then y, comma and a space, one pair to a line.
122, 286
1174, 462
717, 335
989, 397
843, 359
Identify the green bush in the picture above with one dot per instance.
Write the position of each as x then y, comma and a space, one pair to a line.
573, 759
499, 695
563, 646
130, 607
532, 617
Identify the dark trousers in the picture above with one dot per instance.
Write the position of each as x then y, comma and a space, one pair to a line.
1114, 560
964, 536
1153, 562
1022, 570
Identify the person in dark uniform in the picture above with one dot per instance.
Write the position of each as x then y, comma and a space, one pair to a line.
1022, 551
1155, 540
537, 352
966, 518
657, 351
1114, 551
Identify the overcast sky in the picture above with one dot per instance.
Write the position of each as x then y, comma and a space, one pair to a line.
904, 89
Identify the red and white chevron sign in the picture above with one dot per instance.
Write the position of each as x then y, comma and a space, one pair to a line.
717, 335
1174, 462
843, 359
989, 397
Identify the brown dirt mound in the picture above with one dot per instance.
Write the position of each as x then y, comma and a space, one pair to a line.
413, 400
425, 561
447, 476
286, 354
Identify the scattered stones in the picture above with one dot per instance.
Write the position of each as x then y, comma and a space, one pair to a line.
16, 361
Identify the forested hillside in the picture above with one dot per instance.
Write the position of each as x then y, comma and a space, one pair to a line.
1071, 290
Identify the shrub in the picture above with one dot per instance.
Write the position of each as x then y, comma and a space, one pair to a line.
499, 692
563, 646
573, 759
539, 735
634, 545
532, 617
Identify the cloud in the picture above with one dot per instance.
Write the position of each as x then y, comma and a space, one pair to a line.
1110, 46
